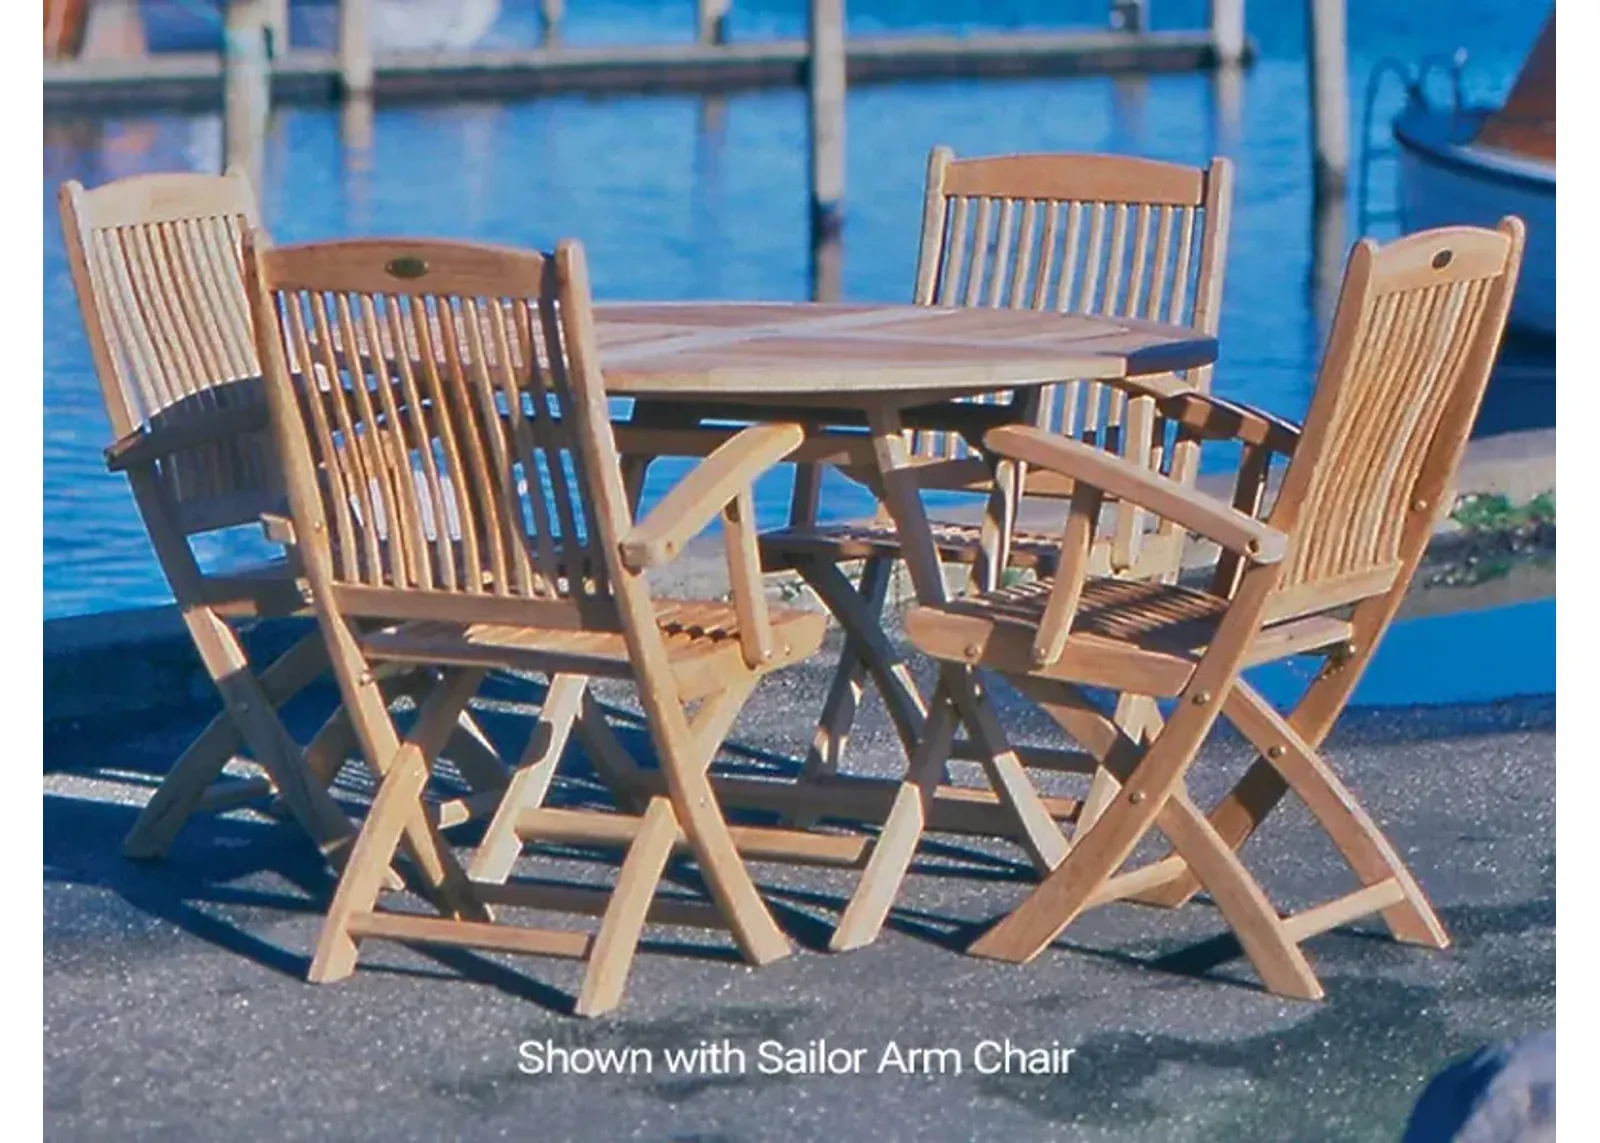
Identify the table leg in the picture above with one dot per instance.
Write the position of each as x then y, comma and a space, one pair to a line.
957, 699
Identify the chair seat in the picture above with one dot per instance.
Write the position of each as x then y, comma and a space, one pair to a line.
1039, 552
702, 641
1127, 634
842, 543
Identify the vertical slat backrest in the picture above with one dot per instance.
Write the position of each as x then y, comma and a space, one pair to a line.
1413, 341
155, 262
1099, 234
439, 441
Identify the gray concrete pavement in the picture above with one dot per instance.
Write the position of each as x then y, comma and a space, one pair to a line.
175, 1004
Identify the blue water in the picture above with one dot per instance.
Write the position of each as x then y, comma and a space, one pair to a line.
1463, 657
686, 196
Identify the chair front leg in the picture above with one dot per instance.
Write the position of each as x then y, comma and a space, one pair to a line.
686, 755
1255, 922
617, 938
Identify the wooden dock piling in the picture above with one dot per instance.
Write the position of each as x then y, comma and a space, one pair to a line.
135, 81
277, 18
550, 14
1227, 31
356, 70
247, 85
825, 85
1330, 99
1131, 16
711, 21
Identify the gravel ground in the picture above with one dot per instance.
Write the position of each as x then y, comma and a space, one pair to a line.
176, 1007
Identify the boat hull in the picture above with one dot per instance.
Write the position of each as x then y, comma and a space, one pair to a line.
1447, 180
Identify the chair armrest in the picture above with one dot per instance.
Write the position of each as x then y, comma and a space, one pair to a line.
278, 528
1158, 385
148, 444
1217, 419
1114, 476
712, 484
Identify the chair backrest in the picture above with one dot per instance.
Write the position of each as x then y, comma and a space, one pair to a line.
155, 263
1413, 341
444, 431
1100, 234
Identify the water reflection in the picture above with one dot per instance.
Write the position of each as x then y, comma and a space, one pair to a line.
685, 196
356, 140
1329, 252
1129, 94
1522, 392
1226, 103
710, 140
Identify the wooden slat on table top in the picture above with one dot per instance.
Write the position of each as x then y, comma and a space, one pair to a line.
710, 349
807, 354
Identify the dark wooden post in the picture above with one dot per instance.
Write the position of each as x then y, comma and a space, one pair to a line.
1227, 31
1330, 100
1131, 16
826, 88
278, 26
246, 86
711, 21
355, 47
550, 13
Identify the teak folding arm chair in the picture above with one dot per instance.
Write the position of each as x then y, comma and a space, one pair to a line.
155, 263
461, 504
1079, 233
1323, 573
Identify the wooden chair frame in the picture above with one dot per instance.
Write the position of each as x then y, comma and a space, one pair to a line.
156, 265
534, 563
1413, 342
1072, 232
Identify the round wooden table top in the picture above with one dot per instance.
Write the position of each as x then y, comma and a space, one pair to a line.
777, 351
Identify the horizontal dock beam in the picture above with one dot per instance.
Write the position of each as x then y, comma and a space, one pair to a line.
195, 79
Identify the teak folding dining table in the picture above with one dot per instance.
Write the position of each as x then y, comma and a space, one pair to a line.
857, 376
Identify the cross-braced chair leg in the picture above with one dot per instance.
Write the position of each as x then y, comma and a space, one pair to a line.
1204, 854
1289, 760
397, 817
1158, 799
897, 839
187, 786
683, 817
